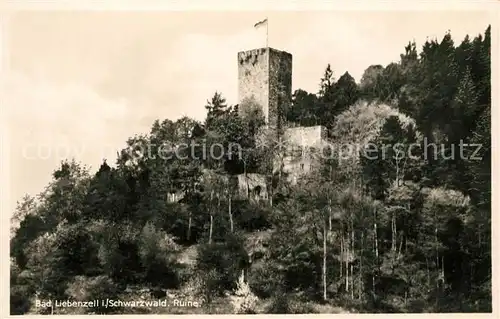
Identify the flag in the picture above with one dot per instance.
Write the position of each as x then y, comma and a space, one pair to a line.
260, 23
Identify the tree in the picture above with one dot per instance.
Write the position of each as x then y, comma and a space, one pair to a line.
346, 91
370, 80
327, 85
380, 226
216, 107
303, 110
26, 207
479, 167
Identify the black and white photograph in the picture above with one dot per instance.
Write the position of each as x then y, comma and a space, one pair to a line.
264, 161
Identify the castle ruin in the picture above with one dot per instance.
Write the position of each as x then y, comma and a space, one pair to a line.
265, 81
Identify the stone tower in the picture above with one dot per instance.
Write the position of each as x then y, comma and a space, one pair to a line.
265, 80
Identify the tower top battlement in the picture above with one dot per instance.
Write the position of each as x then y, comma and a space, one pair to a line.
260, 51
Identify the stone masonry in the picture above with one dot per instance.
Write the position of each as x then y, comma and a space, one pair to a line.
303, 146
265, 81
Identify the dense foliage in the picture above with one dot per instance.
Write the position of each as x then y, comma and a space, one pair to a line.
387, 234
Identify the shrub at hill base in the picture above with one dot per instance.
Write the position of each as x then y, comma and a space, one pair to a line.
219, 265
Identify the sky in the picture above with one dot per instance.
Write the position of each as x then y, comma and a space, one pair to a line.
78, 84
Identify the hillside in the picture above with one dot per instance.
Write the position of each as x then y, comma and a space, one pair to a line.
402, 224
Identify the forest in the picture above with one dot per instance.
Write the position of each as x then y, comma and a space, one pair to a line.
393, 234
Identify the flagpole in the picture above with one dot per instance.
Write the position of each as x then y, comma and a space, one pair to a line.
267, 33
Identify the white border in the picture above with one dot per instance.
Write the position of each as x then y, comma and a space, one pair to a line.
256, 5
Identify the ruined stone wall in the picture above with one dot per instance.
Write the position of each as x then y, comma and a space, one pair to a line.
252, 186
305, 136
303, 149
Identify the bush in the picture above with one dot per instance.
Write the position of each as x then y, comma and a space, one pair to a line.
220, 264
251, 216
19, 299
283, 303
20, 290
101, 287
302, 308
244, 300
213, 284
263, 279
279, 304
157, 254
49, 272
